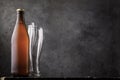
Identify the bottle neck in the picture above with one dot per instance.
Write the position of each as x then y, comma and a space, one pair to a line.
20, 17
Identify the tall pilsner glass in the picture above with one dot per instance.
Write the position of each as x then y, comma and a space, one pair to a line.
36, 40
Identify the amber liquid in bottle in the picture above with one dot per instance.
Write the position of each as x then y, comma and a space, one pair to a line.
19, 47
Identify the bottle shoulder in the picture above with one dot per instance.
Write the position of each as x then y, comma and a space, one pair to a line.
19, 32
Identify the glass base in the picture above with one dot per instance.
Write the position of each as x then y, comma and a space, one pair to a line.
35, 75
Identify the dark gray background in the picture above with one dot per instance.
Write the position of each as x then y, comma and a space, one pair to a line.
81, 37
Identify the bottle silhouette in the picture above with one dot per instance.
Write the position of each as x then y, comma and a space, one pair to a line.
19, 47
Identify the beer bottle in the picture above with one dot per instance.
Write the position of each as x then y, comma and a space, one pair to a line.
19, 46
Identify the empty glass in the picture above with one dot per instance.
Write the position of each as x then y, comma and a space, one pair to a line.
35, 45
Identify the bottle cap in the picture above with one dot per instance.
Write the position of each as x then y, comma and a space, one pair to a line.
20, 9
